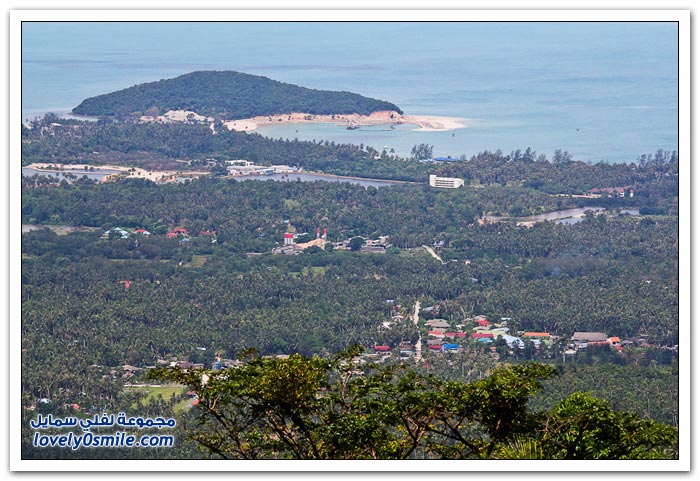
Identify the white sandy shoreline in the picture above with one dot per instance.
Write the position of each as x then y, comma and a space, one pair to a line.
427, 123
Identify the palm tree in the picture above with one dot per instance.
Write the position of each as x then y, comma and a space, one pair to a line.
520, 447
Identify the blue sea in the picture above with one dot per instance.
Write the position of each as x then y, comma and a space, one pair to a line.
599, 90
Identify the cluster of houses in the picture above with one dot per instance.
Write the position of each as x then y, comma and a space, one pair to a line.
289, 247
184, 235
380, 245
292, 248
123, 233
442, 336
129, 371
176, 116
383, 351
581, 340
176, 233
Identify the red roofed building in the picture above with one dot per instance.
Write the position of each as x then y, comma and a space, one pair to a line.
435, 347
482, 322
482, 335
461, 334
170, 235
451, 335
207, 232
180, 230
382, 349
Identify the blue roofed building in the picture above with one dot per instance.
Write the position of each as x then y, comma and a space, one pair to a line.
450, 347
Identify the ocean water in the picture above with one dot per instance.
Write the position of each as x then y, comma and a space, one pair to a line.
600, 90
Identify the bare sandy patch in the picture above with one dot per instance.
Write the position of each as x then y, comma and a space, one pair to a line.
243, 125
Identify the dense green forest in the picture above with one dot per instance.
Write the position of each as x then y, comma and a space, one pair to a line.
616, 274
228, 95
248, 215
611, 295
92, 303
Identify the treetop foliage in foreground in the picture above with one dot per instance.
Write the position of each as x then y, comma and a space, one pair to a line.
229, 95
318, 408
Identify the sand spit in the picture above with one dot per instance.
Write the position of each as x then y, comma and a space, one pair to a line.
434, 123
424, 122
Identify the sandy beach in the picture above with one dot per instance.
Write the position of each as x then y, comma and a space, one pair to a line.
135, 172
423, 122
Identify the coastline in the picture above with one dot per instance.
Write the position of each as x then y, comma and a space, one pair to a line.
423, 123
426, 123
135, 172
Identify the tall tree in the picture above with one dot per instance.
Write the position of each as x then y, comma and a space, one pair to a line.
318, 408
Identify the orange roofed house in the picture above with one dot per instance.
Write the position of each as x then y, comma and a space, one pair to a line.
537, 335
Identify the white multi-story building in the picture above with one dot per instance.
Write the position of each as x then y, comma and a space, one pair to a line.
446, 182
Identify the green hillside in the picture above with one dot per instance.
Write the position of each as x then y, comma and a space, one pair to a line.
228, 95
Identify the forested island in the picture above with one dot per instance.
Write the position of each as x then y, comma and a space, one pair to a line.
228, 95
184, 273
